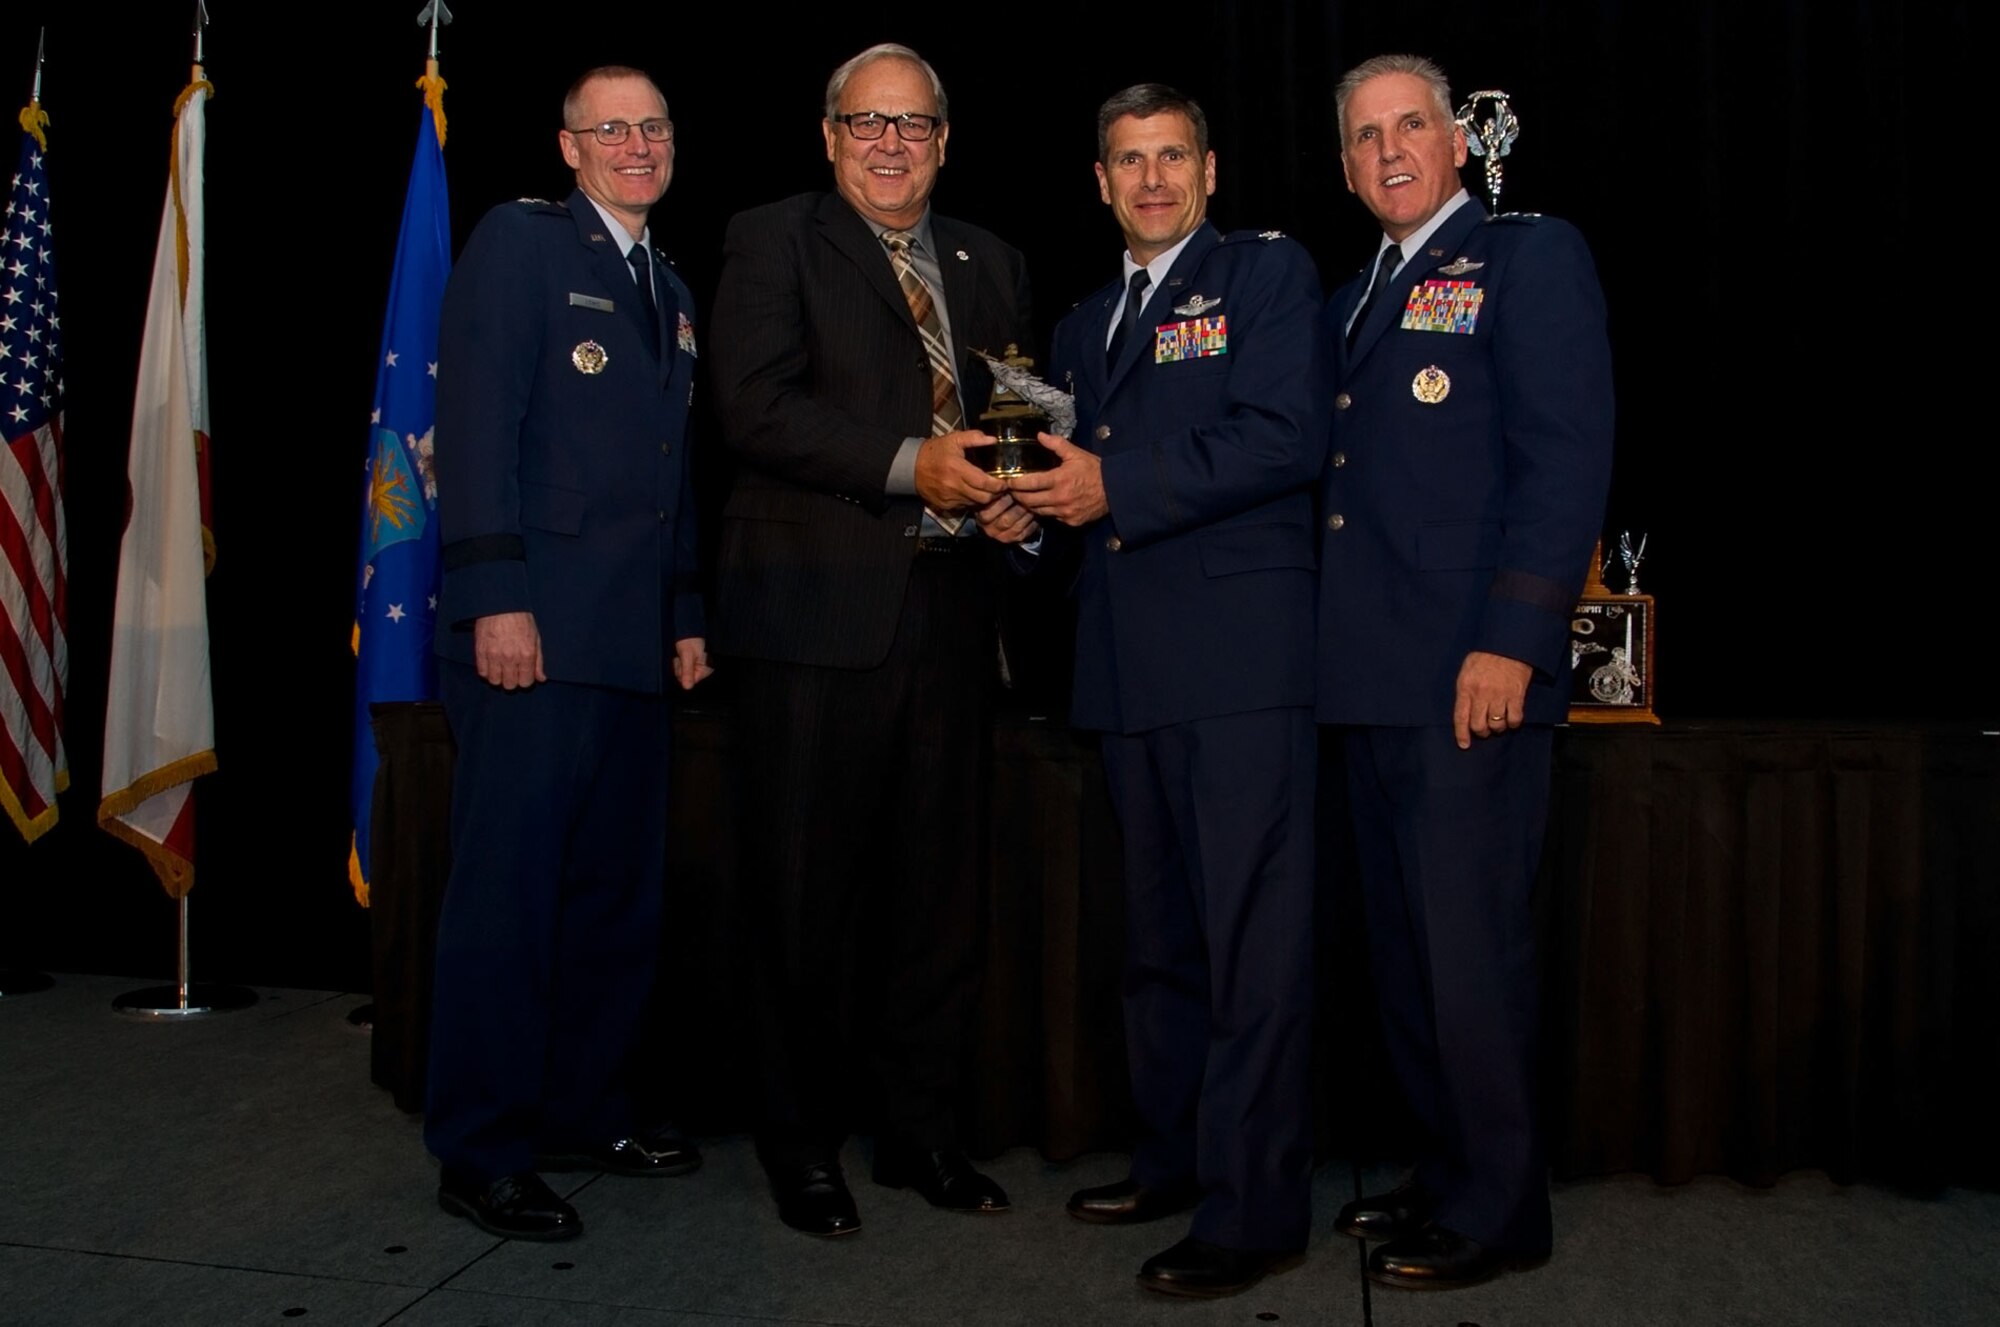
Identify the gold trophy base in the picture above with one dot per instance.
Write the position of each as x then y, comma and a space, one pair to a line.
1014, 451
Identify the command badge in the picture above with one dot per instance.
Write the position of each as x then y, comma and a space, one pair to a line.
589, 357
1431, 385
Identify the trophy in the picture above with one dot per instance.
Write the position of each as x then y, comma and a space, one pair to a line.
1021, 406
1611, 644
1491, 139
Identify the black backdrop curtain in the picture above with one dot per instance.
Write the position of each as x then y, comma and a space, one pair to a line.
1797, 402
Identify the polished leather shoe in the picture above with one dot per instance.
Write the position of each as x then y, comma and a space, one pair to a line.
657, 1151
1438, 1259
1202, 1270
944, 1177
513, 1206
813, 1197
1129, 1202
1404, 1210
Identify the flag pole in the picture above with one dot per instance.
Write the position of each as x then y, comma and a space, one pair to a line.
185, 999
26, 981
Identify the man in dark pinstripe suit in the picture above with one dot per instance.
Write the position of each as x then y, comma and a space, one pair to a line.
856, 599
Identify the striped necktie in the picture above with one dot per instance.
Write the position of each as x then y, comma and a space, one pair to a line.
946, 417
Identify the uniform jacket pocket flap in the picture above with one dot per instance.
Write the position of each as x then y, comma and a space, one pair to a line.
1458, 545
557, 509
1255, 548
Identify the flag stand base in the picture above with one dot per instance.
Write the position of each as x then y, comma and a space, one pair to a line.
17, 981
362, 1017
184, 999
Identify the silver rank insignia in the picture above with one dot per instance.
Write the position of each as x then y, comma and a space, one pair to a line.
1431, 385
1270, 234
1195, 307
1460, 266
589, 357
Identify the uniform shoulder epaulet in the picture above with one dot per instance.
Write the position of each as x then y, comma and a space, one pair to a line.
1247, 236
1525, 218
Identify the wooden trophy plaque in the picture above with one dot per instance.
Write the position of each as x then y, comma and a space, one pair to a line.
1611, 652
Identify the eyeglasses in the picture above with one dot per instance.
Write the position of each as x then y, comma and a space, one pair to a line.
613, 132
910, 127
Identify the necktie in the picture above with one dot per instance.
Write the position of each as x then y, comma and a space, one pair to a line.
946, 417
1135, 300
1384, 267
642, 269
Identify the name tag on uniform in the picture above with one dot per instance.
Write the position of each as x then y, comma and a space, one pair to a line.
1443, 306
1197, 338
582, 301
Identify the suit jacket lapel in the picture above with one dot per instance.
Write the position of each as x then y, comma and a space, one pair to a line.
1160, 303
846, 231
1389, 312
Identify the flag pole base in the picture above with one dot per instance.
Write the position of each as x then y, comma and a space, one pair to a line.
177, 1002
18, 981
362, 1017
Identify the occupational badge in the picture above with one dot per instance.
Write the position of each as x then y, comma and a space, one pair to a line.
1195, 307
1431, 385
1443, 306
589, 357
1459, 266
684, 335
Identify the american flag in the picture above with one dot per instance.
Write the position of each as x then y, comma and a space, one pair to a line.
34, 650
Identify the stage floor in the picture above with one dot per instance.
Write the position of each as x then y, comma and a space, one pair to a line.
242, 1169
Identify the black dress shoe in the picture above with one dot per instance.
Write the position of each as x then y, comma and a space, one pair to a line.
1438, 1259
1404, 1210
944, 1177
513, 1206
1129, 1202
1206, 1271
660, 1150
813, 1197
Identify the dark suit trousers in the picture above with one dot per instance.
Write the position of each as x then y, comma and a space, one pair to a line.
1217, 816
549, 937
864, 810
1449, 842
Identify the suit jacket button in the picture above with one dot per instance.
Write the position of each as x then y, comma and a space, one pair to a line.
1335, 521
1342, 401
666, 449
663, 518
1101, 432
1339, 459
1114, 543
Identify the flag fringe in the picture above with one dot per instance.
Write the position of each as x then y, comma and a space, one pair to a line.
433, 86
355, 876
34, 119
148, 786
32, 827
176, 873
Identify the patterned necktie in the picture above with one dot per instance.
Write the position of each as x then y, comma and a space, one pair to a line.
1135, 300
642, 272
946, 417
1385, 267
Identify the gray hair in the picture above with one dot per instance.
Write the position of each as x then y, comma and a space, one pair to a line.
573, 99
1423, 68
887, 50
1145, 100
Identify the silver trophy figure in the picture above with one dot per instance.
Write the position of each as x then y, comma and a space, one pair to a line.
1631, 557
1492, 138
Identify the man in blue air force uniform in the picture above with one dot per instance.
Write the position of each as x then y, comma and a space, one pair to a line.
1471, 457
569, 605
1201, 430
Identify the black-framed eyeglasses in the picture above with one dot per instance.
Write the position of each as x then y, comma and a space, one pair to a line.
910, 127
613, 132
